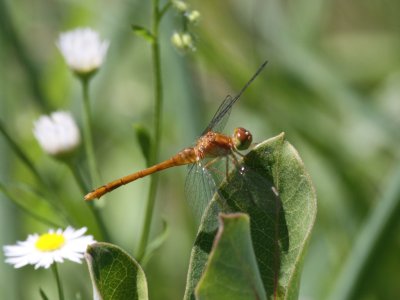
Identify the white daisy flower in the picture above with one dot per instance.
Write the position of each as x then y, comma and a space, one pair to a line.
57, 134
54, 246
83, 49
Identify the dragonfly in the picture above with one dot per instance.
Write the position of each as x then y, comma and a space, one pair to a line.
209, 148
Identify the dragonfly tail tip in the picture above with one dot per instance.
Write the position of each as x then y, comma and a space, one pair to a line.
89, 196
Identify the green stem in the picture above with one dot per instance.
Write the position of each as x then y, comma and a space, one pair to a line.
156, 17
93, 208
377, 226
94, 174
77, 176
30, 165
20, 153
164, 9
88, 133
59, 285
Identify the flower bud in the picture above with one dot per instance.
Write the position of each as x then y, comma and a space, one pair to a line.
57, 134
182, 41
83, 50
180, 6
193, 16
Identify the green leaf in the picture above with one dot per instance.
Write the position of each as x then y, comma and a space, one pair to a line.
143, 32
144, 139
276, 192
30, 202
43, 294
114, 274
19, 151
232, 271
156, 243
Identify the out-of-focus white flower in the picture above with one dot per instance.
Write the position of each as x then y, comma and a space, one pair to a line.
57, 134
83, 49
182, 41
43, 250
193, 16
180, 5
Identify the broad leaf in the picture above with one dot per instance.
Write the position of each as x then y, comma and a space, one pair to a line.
114, 274
232, 271
273, 188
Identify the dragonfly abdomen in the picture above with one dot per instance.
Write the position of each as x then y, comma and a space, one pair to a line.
184, 157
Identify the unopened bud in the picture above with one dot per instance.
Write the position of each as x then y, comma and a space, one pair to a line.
57, 134
180, 5
182, 41
193, 16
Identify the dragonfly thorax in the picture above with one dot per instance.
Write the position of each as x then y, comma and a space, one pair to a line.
242, 138
213, 144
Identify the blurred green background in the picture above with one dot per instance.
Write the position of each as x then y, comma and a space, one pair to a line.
332, 84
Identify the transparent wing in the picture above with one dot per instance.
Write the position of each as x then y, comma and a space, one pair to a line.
220, 118
203, 181
199, 188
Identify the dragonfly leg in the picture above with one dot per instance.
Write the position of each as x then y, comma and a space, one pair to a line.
220, 199
234, 150
236, 161
208, 164
227, 167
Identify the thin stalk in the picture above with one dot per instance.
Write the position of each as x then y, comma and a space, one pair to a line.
164, 9
59, 285
377, 226
156, 17
77, 176
87, 130
93, 208
19, 151
94, 174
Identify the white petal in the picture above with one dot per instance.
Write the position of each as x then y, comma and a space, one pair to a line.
57, 134
25, 252
83, 49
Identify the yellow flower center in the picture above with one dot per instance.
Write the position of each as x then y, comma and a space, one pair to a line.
50, 242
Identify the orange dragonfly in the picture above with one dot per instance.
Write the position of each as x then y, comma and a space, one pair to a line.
209, 148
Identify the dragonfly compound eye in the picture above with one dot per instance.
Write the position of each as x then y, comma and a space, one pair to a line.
242, 138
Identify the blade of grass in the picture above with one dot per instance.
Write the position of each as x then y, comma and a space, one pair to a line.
29, 212
19, 152
377, 224
11, 38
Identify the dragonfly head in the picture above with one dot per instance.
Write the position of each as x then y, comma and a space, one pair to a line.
242, 138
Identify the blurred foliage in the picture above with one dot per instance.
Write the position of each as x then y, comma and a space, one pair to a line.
332, 84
